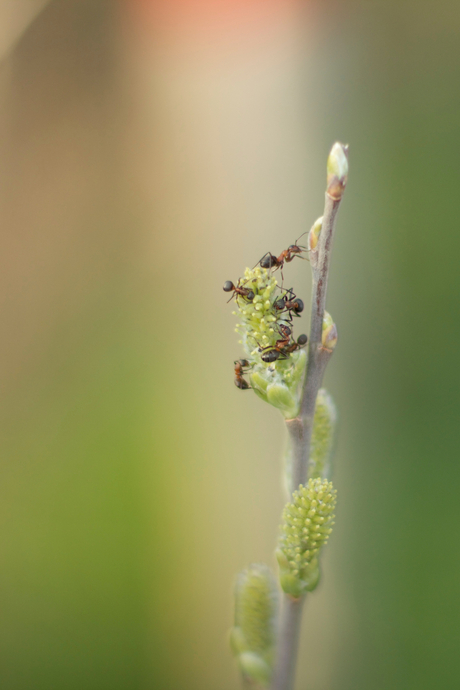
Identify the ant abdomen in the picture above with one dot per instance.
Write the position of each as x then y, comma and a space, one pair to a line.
270, 356
242, 384
268, 261
299, 305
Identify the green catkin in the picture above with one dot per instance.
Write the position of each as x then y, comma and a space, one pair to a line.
306, 526
322, 440
275, 382
253, 636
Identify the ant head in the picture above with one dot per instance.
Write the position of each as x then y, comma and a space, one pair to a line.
285, 330
299, 305
302, 339
296, 249
228, 286
250, 296
244, 362
280, 304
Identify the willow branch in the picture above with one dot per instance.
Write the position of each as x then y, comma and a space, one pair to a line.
300, 429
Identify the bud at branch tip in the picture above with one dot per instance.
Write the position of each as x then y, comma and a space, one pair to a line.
337, 171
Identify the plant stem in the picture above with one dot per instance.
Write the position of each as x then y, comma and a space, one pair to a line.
300, 432
288, 636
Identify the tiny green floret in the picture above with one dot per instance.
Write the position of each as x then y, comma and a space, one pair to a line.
307, 524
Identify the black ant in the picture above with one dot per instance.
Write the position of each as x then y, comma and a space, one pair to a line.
238, 290
287, 255
241, 367
289, 302
273, 352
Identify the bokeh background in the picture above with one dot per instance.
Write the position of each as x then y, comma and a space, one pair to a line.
148, 152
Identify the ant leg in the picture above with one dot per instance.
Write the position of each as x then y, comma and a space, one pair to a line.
282, 276
261, 258
290, 290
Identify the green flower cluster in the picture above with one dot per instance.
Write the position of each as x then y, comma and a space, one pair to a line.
258, 316
253, 637
323, 436
275, 382
307, 524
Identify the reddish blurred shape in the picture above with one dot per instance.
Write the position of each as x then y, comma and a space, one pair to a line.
211, 14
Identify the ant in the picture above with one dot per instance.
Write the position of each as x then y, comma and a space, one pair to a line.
287, 255
241, 367
289, 302
301, 341
285, 332
238, 290
274, 352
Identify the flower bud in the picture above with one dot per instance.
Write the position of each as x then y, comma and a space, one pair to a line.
307, 524
337, 171
323, 436
253, 637
314, 233
329, 335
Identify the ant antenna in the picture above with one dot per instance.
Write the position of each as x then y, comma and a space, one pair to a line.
304, 233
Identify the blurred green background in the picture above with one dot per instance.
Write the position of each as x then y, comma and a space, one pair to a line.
150, 151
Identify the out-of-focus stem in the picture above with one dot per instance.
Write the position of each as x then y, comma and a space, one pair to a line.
289, 635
